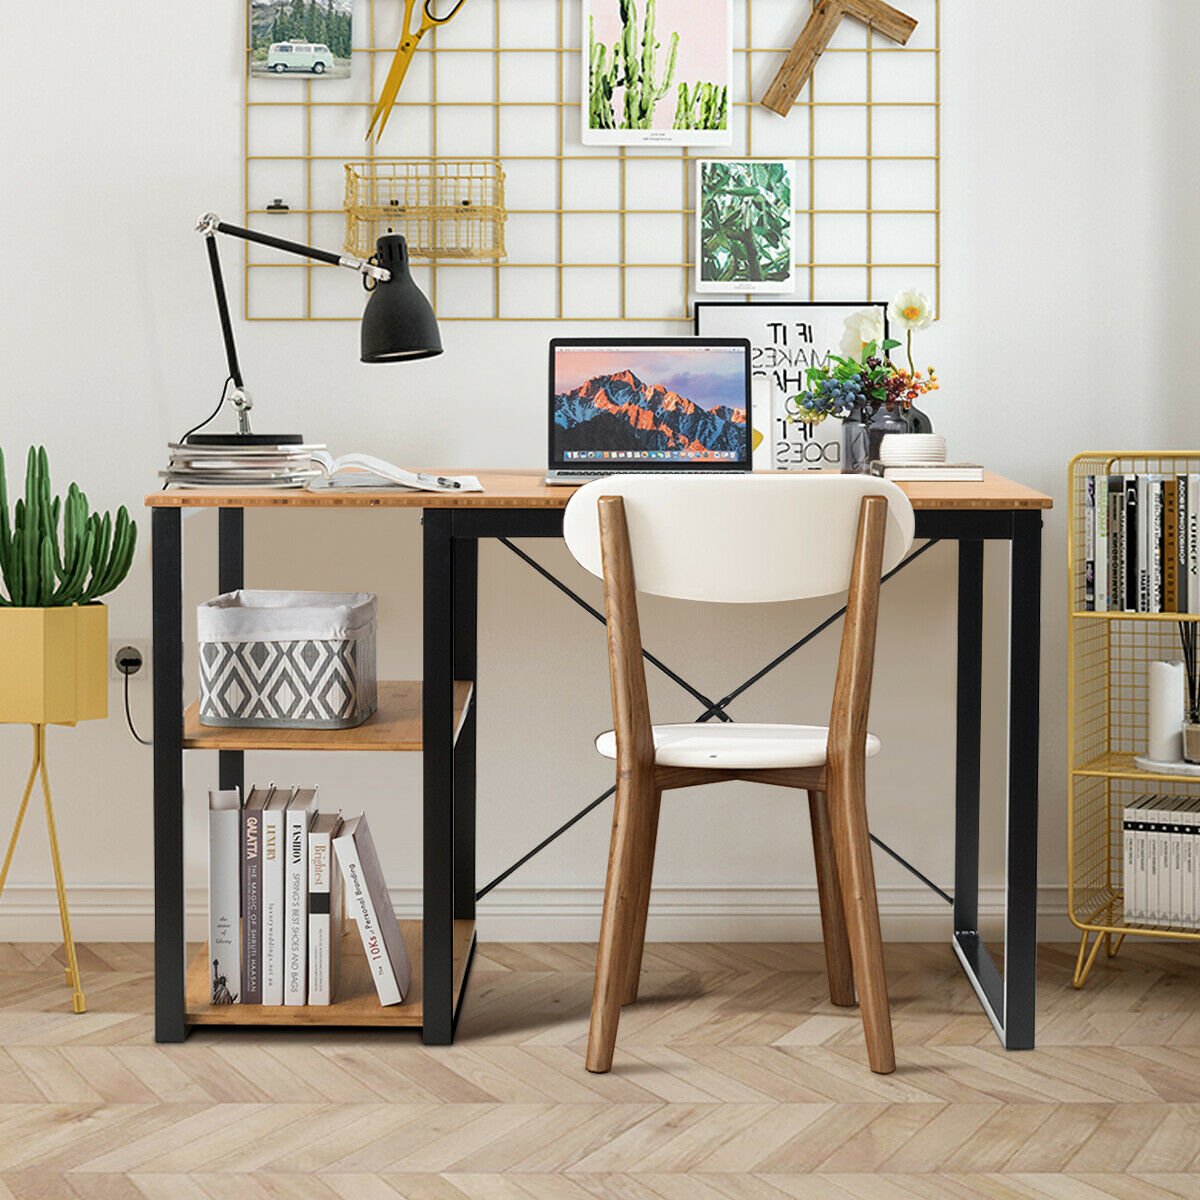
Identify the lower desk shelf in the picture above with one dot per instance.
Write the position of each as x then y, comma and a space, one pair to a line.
395, 725
357, 1003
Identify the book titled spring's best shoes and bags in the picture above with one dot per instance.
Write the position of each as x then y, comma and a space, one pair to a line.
277, 868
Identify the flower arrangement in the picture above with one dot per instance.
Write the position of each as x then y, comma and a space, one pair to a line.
863, 376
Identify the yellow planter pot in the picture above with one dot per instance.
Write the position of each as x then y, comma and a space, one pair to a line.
53, 665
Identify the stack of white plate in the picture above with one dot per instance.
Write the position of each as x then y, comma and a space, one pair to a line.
912, 449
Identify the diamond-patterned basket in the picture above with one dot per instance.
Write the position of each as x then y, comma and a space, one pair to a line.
287, 660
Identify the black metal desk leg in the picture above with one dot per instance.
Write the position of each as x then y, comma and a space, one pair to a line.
438, 740
969, 706
230, 577
1020, 966
170, 1002
466, 605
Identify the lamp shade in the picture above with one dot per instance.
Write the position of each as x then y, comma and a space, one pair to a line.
398, 322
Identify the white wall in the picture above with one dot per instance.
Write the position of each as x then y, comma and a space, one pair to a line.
1069, 248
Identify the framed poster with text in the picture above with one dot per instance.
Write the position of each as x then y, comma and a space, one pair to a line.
786, 338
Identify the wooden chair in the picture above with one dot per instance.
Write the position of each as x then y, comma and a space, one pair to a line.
742, 539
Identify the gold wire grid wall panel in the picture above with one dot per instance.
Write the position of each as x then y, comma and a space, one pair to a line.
1108, 657
599, 233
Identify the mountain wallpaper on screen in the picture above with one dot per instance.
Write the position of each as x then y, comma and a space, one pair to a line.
620, 412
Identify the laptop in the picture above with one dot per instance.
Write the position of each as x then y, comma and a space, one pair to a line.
656, 405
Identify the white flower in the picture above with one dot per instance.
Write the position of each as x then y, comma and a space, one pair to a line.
862, 328
910, 310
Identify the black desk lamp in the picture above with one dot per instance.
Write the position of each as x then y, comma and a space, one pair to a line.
397, 324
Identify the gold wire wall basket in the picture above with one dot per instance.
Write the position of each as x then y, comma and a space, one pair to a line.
444, 208
1108, 655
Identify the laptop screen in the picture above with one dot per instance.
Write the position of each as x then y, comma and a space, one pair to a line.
645, 403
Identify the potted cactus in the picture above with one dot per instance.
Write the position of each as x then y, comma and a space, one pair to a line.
56, 560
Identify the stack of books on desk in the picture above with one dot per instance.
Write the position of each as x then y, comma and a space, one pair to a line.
284, 466
276, 866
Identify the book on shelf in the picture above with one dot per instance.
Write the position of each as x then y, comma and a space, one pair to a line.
252, 912
1141, 543
298, 818
367, 899
324, 909
1161, 855
272, 893
224, 895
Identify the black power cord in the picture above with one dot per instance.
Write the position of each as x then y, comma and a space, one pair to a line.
129, 662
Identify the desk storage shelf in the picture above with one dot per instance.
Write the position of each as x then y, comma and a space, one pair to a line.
394, 726
1107, 658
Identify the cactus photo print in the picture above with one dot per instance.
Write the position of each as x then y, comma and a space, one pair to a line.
745, 231
657, 72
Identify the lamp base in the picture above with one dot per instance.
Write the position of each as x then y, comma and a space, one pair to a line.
245, 439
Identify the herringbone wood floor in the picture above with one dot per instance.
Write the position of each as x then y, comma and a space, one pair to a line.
734, 1078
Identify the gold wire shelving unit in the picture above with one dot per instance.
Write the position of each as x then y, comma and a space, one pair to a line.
600, 233
1108, 654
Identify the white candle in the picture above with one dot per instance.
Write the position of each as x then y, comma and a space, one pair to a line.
1165, 686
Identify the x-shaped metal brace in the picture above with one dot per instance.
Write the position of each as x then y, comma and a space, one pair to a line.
713, 708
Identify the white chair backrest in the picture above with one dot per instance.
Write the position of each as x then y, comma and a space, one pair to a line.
741, 539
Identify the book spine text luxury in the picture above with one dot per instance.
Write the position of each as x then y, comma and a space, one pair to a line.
224, 895
273, 913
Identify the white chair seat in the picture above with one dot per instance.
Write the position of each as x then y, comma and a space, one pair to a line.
734, 746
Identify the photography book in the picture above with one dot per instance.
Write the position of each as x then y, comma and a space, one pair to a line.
324, 909
367, 471
252, 816
224, 895
272, 893
301, 810
367, 899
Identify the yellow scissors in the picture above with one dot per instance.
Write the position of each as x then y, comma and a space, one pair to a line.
404, 55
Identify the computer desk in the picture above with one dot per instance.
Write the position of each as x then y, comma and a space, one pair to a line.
437, 716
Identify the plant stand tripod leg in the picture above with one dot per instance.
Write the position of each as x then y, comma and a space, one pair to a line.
78, 1002
16, 830
1085, 959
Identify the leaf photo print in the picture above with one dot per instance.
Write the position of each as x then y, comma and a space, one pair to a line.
744, 233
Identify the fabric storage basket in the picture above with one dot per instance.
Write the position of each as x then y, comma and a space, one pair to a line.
287, 660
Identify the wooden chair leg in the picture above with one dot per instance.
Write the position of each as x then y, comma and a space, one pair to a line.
641, 909
628, 876
856, 874
833, 918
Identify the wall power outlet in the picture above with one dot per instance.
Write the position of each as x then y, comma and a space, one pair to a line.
134, 653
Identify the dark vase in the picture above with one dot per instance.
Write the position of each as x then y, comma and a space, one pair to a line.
863, 432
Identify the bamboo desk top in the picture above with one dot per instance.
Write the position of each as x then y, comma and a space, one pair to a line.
525, 489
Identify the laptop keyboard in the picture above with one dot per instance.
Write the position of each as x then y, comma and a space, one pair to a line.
636, 471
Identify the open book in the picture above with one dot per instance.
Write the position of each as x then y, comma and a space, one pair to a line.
366, 471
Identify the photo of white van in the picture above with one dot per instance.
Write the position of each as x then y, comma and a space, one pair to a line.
299, 56
312, 39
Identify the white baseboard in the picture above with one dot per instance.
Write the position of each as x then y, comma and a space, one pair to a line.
558, 913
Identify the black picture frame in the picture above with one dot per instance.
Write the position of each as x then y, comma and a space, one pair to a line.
797, 455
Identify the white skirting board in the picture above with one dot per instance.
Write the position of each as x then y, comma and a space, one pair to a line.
565, 913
